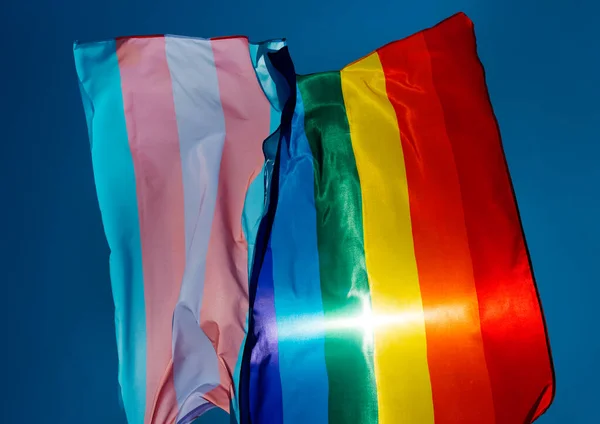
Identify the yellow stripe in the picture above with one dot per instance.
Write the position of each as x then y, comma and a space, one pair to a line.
396, 318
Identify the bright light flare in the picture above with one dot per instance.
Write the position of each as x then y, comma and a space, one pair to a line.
369, 322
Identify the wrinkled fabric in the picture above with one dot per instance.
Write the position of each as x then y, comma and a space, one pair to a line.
176, 129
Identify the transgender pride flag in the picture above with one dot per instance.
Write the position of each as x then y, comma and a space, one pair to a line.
176, 128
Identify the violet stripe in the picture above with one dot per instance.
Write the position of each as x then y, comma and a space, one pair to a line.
201, 127
154, 144
266, 404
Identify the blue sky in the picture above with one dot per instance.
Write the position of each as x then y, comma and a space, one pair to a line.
543, 65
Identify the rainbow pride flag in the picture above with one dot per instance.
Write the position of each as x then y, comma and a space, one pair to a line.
176, 127
393, 284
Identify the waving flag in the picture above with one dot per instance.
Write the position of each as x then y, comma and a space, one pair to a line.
395, 284
176, 127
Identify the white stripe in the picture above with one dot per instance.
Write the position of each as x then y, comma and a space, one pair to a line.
201, 127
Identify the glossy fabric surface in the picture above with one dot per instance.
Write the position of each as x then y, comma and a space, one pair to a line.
428, 311
340, 234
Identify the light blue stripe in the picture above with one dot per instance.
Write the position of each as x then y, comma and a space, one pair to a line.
297, 284
253, 211
275, 122
253, 48
98, 70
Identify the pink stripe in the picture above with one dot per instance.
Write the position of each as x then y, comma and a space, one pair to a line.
247, 122
154, 143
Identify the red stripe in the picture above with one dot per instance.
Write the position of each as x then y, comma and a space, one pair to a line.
459, 377
515, 341
154, 144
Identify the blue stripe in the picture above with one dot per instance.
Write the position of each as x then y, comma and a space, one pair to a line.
298, 285
98, 70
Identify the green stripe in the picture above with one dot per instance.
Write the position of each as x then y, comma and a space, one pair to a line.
344, 283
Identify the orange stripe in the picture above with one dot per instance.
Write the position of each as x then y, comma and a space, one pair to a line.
459, 378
